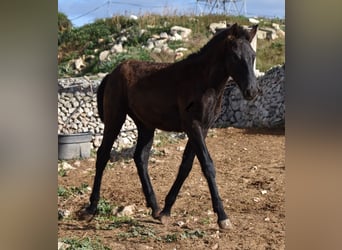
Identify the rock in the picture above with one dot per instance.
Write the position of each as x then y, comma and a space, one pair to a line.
275, 26
160, 43
66, 166
133, 17
271, 33
281, 33
178, 55
214, 26
79, 64
117, 48
261, 34
181, 49
253, 20
164, 35
215, 246
150, 45
63, 246
125, 211
157, 50
184, 32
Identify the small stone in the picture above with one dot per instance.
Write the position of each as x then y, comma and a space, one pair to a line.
254, 168
103, 55
126, 211
256, 199
215, 246
66, 166
180, 223
62, 246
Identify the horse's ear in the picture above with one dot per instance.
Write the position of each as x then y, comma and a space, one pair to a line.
253, 32
233, 31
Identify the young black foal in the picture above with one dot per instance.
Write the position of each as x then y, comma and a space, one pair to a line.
183, 96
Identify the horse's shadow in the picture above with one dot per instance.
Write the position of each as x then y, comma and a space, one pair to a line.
122, 154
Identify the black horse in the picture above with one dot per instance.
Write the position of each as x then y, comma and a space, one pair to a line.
182, 96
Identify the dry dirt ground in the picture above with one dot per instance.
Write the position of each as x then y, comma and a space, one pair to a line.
250, 174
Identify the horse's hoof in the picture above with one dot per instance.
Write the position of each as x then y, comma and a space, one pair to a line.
225, 225
164, 219
156, 214
84, 214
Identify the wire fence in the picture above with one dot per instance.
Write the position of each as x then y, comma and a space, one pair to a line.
193, 7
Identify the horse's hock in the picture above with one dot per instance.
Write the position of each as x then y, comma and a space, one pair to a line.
77, 108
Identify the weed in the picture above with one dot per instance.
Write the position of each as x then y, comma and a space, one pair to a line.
63, 192
139, 231
206, 221
84, 244
170, 238
79, 190
270, 53
175, 44
192, 234
104, 208
62, 172
162, 138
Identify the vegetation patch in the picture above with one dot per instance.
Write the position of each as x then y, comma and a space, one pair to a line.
90, 40
84, 244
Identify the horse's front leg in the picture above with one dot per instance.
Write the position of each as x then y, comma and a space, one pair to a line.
197, 138
141, 155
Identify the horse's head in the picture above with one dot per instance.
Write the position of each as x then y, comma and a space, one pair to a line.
240, 58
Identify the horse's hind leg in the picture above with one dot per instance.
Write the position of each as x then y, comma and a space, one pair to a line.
111, 132
183, 172
141, 155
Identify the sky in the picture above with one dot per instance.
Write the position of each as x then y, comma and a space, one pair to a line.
81, 12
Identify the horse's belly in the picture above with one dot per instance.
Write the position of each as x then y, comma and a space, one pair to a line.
167, 119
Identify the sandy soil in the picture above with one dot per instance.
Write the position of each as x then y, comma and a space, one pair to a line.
250, 174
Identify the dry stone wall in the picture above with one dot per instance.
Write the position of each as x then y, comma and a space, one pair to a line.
266, 110
77, 107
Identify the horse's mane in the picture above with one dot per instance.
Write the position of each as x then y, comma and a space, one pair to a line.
239, 32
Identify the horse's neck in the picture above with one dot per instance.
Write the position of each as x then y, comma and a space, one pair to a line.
212, 73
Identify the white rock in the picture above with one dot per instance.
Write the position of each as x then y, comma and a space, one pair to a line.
184, 32
220, 25
164, 35
134, 17
253, 20
103, 55
66, 166
176, 37
79, 64
62, 245
276, 26
126, 211
117, 48
181, 49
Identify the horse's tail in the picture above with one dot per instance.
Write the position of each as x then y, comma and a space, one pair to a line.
100, 93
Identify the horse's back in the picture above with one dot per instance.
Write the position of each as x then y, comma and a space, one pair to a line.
149, 92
